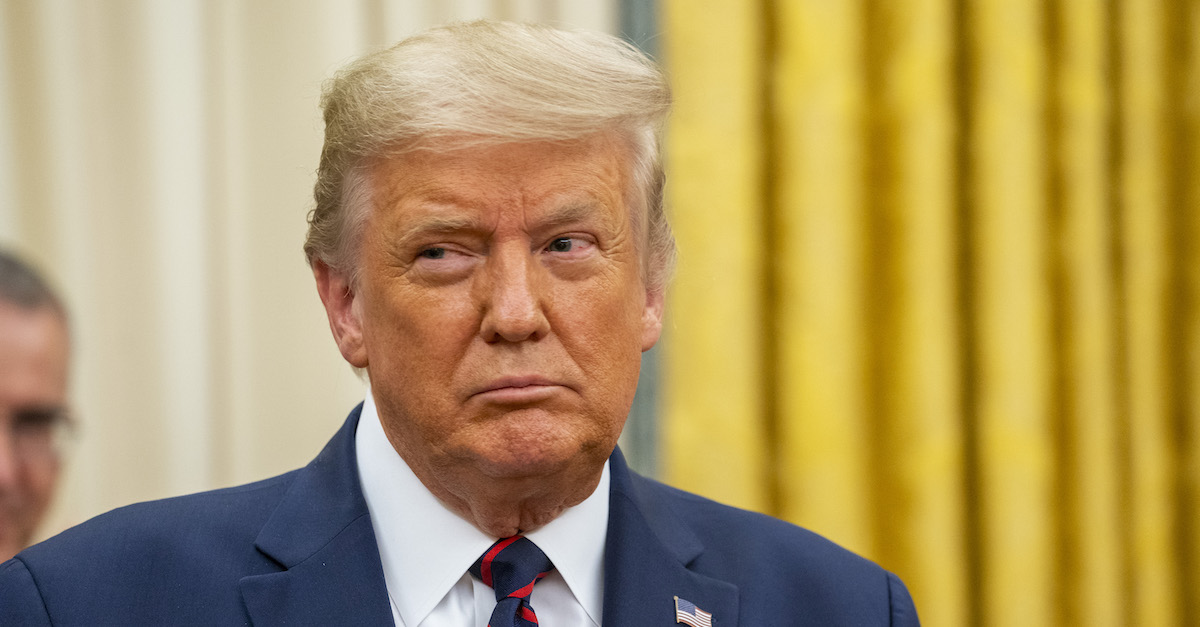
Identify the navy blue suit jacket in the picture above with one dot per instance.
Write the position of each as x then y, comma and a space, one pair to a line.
299, 549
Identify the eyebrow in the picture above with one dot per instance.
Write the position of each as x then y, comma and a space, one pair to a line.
569, 213
439, 224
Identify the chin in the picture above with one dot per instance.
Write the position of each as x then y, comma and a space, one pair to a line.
515, 462
537, 443
519, 457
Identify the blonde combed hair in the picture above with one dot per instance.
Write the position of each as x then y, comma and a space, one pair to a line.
488, 82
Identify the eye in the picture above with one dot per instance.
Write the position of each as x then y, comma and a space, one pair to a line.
561, 245
37, 420
441, 263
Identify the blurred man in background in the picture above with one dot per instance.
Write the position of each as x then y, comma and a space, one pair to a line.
33, 397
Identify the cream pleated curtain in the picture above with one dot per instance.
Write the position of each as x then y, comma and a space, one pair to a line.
157, 161
939, 292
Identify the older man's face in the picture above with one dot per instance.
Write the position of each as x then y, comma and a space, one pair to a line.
501, 305
33, 389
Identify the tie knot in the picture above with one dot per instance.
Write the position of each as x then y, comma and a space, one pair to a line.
512, 566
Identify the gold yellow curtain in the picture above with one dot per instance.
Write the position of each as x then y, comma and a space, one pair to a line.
939, 292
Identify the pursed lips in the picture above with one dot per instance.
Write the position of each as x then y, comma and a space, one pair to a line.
518, 388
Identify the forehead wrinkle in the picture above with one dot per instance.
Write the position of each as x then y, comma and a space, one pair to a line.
440, 208
438, 211
569, 213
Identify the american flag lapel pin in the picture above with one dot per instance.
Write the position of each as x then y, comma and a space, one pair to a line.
687, 613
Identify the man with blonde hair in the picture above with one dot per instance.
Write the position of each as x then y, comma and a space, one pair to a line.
490, 247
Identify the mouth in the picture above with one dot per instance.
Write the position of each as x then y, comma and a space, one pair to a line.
518, 389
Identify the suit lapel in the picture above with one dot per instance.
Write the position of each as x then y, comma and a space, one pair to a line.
647, 558
321, 535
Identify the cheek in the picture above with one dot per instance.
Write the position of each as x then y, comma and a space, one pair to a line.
420, 327
619, 312
40, 479
415, 345
603, 331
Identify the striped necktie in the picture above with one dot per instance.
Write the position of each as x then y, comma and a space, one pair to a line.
511, 567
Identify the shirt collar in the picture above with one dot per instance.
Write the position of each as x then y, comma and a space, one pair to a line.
402, 509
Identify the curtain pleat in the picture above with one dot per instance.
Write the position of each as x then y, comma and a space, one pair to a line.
915, 389
1143, 170
1188, 233
716, 354
1083, 279
817, 247
1008, 321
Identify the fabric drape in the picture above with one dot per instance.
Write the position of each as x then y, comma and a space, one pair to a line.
939, 296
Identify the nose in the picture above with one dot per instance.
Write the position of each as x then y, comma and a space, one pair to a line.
514, 298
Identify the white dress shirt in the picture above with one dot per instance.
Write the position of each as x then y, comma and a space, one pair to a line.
426, 548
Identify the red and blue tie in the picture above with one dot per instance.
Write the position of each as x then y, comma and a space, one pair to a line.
511, 567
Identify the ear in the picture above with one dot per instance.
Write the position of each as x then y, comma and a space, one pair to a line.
345, 319
652, 315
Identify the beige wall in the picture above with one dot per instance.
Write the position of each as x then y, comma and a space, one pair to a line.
156, 160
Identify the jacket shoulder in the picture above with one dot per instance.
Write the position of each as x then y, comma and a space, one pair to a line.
774, 562
200, 543
167, 527
727, 528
